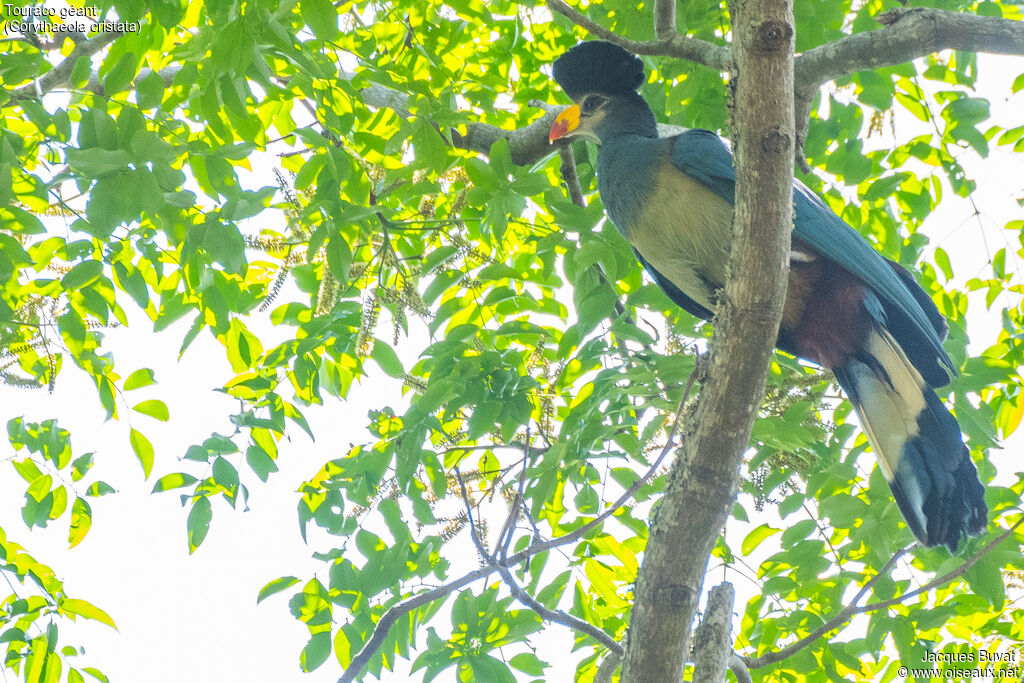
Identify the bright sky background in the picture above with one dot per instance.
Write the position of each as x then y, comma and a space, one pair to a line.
195, 618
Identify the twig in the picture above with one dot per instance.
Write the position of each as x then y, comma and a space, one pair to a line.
631, 491
541, 104
824, 536
570, 176
524, 597
852, 609
558, 617
935, 583
846, 613
488, 447
505, 537
572, 183
529, 518
380, 631
717, 57
383, 626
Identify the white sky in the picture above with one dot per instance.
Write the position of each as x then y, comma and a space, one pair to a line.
195, 618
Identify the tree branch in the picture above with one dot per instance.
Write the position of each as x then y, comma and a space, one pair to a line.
380, 631
526, 145
665, 19
607, 669
712, 646
60, 75
946, 578
718, 57
852, 609
628, 494
570, 176
524, 597
846, 613
739, 669
906, 35
702, 487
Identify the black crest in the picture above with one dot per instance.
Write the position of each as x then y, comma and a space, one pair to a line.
597, 66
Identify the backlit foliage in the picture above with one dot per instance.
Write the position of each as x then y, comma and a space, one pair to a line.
235, 166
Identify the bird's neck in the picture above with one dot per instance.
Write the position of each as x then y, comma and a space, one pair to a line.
625, 176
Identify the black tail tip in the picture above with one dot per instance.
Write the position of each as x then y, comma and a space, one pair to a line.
941, 506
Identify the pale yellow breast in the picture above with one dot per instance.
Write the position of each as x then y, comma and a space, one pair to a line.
684, 231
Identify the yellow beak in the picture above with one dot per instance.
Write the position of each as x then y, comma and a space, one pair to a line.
567, 122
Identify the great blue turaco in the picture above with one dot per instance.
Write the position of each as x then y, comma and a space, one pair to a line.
847, 308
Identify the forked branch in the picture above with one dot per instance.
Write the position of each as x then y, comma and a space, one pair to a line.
380, 631
853, 609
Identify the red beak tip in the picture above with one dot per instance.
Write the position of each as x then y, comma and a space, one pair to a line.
557, 132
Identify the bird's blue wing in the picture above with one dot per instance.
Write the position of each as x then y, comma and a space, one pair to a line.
703, 155
820, 228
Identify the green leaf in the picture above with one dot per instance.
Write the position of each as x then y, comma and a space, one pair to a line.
99, 488
138, 379
81, 465
81, 521
224, 473
13, 634
316, 652
95, 162
260, 462
529, 663
83, 274
320, 16
986, 579
155, 408
173, 481
95, 673
310, 170
487, 668
756, 537
276, 586
243, 347
198, 523
85, 609
387, 359
942, 261
149, 90
339, 257
120, 74
143, 450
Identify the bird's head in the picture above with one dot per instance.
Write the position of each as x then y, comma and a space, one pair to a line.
602, 79
581, 120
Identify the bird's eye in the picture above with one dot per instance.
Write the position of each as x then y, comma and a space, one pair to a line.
592, 103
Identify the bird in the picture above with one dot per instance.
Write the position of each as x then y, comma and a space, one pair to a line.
847, 308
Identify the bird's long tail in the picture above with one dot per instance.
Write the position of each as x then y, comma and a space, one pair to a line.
917, 441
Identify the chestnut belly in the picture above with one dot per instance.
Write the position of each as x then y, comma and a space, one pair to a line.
824, 319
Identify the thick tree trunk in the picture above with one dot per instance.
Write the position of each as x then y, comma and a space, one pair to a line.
702, 486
